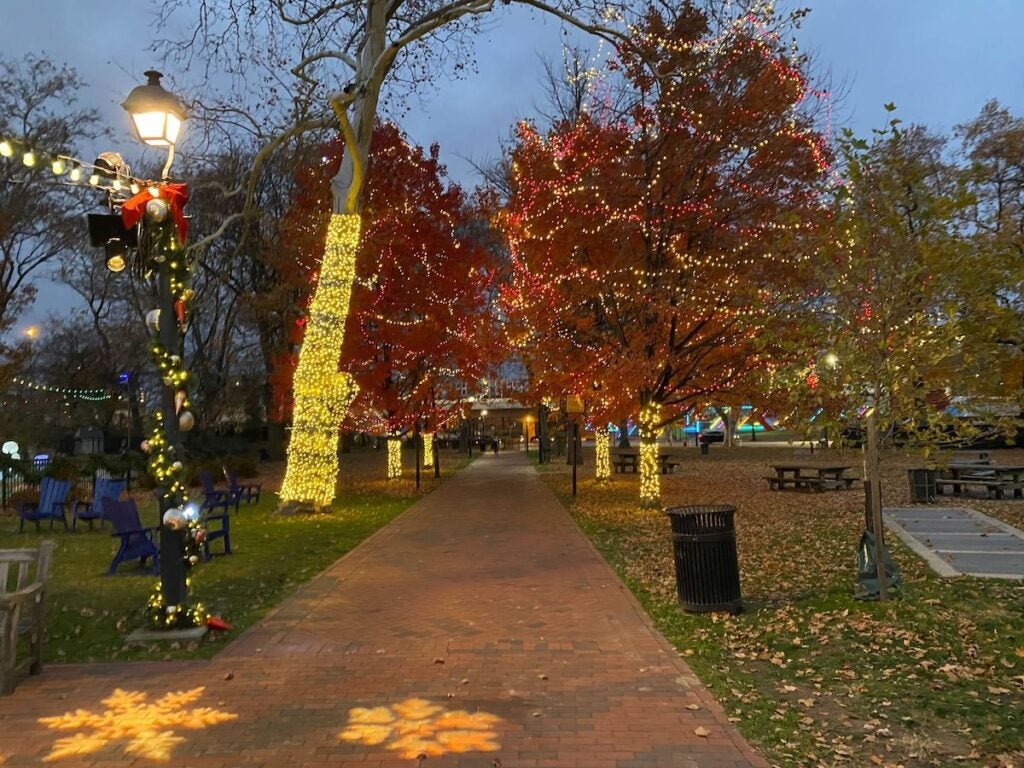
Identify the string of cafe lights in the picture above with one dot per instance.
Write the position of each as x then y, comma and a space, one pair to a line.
96, 394
71, 171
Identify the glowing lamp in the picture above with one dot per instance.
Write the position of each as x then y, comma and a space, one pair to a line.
116, 252
157, 114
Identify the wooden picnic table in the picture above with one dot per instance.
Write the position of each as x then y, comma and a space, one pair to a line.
993, 478
810, 477
623, 460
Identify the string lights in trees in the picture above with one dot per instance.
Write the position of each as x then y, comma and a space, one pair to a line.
322, 393
650, 479
428, 449
626, 261
394, 457
603, 463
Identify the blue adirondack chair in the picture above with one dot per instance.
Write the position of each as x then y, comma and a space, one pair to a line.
222, 532
93, 510
136, 542
52, 505
215, 497
247, 492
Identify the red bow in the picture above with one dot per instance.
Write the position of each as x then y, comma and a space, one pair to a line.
176, 196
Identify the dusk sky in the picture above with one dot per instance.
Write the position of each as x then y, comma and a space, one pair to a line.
938, 60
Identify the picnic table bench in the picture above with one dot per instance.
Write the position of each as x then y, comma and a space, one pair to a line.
995, 479
623, 461
809, 477
22, 610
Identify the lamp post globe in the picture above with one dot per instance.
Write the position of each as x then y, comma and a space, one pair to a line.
157, 114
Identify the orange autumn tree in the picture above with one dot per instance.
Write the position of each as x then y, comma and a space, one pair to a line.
418, 321
651, 248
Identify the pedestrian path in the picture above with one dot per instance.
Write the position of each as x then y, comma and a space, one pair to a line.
957, 541
480, 628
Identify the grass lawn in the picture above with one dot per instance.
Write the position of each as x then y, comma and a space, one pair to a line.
89, 613
810, 675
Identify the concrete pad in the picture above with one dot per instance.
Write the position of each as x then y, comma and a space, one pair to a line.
958, 541
145, 636
1004, 565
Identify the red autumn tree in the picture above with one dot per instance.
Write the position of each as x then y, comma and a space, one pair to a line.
418, 322
651, 248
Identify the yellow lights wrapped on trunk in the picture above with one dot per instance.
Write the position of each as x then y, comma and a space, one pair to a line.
394, 458
603, 459
650, 480
428, 449
322, 393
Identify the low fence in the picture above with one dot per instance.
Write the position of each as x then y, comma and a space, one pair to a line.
14, 484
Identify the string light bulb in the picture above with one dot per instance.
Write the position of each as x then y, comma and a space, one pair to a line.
76, 172
6, 150
29, 158
94, 179
57, 166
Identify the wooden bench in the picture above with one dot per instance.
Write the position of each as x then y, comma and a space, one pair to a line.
668, 467
993, 487
621, 465
22, 610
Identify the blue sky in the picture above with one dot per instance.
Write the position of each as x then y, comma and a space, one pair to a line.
938, 60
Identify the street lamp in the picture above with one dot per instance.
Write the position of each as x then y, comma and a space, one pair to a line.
527, 428
157, 115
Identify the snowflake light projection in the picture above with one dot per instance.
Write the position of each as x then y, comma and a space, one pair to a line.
148, 729
416, 727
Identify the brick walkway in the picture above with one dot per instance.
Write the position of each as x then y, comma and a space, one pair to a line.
480, 629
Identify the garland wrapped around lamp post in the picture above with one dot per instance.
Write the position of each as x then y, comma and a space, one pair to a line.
157, 211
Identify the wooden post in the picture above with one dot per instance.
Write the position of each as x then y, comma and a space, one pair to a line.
417, 440
872, 463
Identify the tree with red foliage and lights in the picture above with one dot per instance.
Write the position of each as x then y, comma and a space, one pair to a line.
651, 247
418, 318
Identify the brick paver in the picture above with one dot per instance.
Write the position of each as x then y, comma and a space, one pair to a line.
483, 600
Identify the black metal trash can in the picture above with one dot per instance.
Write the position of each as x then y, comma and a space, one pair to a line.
923, 485
704, 448
707, 569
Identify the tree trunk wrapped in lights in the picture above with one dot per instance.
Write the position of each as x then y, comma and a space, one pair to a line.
428, 449
650, 481
603, 462
394, 457
322, 393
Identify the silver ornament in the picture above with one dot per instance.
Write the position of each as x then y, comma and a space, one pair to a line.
177, 466
157, 210
175, 518
145, 446
186, 421
153, 320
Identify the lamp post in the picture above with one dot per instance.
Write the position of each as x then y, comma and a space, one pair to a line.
526, 428
157, 116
